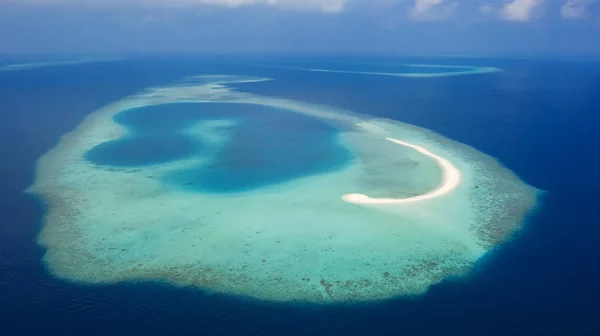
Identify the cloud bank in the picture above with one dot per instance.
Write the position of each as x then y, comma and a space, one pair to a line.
575, 9
432, 9
421, 10
325, 6
520, 10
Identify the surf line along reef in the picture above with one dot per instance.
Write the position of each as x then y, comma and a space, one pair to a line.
434, 206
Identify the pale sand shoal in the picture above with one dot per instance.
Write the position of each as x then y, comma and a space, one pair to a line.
450, 180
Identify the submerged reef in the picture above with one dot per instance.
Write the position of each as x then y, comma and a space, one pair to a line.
409, 70
308, 237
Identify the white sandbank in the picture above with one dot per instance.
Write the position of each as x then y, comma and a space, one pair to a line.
450, 180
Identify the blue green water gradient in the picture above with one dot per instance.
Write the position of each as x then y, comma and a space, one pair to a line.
263, 145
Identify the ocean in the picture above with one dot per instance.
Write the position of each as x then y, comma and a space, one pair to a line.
538, 117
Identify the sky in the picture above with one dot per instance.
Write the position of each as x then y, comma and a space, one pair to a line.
479, 27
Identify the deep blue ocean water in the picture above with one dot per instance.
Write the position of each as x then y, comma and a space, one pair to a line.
539, 117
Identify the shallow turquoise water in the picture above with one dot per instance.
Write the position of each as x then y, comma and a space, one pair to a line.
260, 145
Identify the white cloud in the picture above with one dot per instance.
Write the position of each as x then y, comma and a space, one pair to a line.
425, 6
574, 9
432, 9
326, 6
519, 10
486, 8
